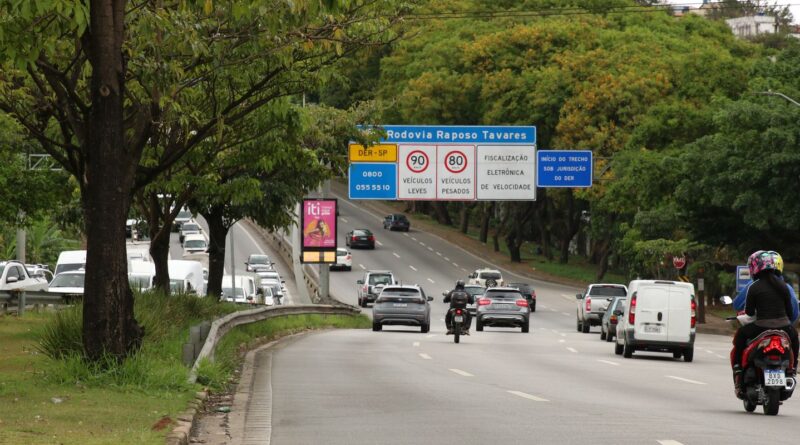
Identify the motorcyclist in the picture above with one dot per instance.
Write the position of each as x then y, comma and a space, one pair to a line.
460, 302
772, 302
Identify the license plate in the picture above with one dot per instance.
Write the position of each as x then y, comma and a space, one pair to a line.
459, 318
502, 307
774, 377
652, 328
400, 305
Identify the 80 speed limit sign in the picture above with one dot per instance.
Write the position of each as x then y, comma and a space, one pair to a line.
455, 172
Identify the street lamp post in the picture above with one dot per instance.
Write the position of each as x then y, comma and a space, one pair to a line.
775, 93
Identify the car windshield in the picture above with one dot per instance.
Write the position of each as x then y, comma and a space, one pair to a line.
269, 275
475, 290
195, 244
377, 279
68, 280
341, 252
259, 259
184, 214
67, 267
139, 282
504, 295
489, 275
608, 291
399, 295
190, 228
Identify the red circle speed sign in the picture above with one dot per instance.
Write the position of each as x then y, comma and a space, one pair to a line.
679, 262
417, 161
455, 161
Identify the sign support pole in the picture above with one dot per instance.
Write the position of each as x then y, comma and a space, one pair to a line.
324, 268
299, 275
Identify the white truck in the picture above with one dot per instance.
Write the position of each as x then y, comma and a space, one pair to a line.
14, 276
592, 303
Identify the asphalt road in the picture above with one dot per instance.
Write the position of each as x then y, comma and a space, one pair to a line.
552, 385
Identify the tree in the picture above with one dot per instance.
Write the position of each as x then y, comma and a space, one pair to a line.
99, 83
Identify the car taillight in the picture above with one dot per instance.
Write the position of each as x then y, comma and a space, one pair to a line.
588, 304
371, 238
773, 344
353, 238
612, 319
632, 311
522, 303
694, 312
484, 302
349, 257
365, 289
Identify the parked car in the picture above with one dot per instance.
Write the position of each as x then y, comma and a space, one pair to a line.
592, 303
476, 291
196, 243
70, 260
71, 282
13, 276
189, 228
183, 216
396, 221
503, 307
258, 262
527, 291
371, 285
344, 259
243, 292
487, 278
660, 317
608, 327
360, 238
402, 305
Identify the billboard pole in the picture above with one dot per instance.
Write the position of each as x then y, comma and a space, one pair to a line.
324, 268
299, 275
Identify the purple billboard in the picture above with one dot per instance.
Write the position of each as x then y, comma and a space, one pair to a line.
319, 224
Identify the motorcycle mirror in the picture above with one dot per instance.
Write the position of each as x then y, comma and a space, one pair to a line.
444, 294
725, 299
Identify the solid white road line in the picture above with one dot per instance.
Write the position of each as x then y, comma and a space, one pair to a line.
528, 396
425, 356
693, 382
573, 350
416, 344
565, 313
460, 372
431, 280
395, 254
412, 268
430, 336
561, 340
608, 362
362, 266
669, 442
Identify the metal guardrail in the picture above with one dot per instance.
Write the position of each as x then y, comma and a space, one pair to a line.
223, 325
20, 299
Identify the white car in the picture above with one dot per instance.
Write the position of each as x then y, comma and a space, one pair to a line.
344, 260
243, 292
271, 275
487, 278
13, 276
71, 282
189, 228
195, 244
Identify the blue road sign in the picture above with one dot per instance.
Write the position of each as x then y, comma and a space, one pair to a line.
376, 180
564, 168
459, 134
742, 277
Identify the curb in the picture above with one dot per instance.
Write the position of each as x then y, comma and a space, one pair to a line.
186, 421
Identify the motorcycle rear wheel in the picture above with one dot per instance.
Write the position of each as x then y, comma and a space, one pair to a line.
773, 402
456, 332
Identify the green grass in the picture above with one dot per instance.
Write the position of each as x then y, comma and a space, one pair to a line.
110, 403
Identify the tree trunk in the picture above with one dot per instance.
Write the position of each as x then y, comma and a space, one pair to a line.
466, 209
513, 247
442, 213
159, 250
485, 218
109, 326
218, 231
603, 264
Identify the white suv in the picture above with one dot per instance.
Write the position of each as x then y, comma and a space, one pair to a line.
487, 278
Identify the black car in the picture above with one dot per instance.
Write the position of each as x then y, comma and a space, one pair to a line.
527, 291
396, 221
360, 238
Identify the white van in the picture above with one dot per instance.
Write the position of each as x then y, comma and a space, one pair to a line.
195, 243
186, 277
243, 292
141, 275
70, 260
660, 317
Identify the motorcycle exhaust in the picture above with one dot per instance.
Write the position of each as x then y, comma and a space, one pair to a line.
790, 384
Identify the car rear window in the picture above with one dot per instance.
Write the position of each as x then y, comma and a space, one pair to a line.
341, 252
608, 291
400, 295
376, 279
503, 295
362, 232
401, 218
521, 286
189, 227
490, 275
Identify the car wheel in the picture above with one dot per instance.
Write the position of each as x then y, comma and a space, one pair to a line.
478, 326
586, 326
580, 328
676, 354
688, 354
407, 229
609, 337
348, 268
426, 327
602, 334
526, 328
376, 326
533, 306
627, 350
617, 349
362, 302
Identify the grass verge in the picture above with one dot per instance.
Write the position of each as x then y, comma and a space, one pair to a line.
50, 395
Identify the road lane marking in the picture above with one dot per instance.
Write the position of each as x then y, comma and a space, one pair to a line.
454, 264
425, 356
719, 356
693, 382
462, 373
463, 269
709, 351
431, 280
412, 268
669, 442
442, 319
416, 344
561, 340
543, 306
395, 254
379, 243
446, 259
430, 336
567, 297
406, 234
554, 330
422, 244
439, 253
362, 266
413, 238
562, 334
573, 350
565, 313
343, 220
552, 309
528, 396
430, 248
608, 362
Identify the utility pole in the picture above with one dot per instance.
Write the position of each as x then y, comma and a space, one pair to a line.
21, 238
233, 265
299, 275
324, 268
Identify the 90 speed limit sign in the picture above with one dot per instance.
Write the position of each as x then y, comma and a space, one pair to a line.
417, 172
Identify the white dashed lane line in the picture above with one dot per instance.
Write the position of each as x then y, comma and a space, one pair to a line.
395, 255
446, 259
460, 372
681, 379
454, 264
608, 362
416, 344
425, 356
561, 340
406, 234
573, 350
439, 253
565, 313
528, 396
379, 243
422, 244
431, 281
463, 269
669, 442
413, 238
362, 266
430, 336
430, 248
343, 220
567, 297
412, 268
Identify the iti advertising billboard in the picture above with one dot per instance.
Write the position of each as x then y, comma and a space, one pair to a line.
318, 223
